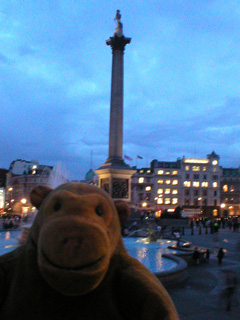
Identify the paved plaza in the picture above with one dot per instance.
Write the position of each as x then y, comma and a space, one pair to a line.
200, 297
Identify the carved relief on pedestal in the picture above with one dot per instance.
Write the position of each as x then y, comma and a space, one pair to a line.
120, 188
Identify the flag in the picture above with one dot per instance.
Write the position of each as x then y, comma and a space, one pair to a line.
139, 157
127, 158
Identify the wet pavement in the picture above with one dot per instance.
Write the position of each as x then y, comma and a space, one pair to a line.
201, 296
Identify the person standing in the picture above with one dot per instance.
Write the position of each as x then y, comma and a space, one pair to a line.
220, 256
207, 255
230, 286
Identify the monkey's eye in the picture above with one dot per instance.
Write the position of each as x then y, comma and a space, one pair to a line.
99, 211
57, 206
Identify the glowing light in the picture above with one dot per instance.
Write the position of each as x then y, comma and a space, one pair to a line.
141, 180
187, 183
144, 204
215, 162
167, 200
148, 188
196, 160
205, 184
196, 184
196, 168
24, 201
223, 205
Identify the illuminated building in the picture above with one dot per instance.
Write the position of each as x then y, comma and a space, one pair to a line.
191, 183
230, 191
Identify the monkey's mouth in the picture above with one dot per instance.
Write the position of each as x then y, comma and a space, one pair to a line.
76, 268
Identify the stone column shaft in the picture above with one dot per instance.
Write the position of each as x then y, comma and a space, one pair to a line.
116, 113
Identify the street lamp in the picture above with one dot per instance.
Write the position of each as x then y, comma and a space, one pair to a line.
24, 201
10, 191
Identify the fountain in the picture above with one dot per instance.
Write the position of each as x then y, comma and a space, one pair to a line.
161, 256
58, 176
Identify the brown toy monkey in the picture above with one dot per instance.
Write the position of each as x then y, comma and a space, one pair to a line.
75, 266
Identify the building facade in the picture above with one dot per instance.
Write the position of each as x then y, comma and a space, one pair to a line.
3, 175
230, 191
193, 184
22, 177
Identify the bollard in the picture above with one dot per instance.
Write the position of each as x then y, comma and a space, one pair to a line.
200, 230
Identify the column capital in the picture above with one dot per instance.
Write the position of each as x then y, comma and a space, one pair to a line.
118, 43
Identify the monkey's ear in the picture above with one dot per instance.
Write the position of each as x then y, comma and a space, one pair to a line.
123, 210
38, 194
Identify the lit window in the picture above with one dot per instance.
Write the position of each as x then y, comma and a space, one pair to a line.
214, 169
204, 168
168, 181
34, 167
160, 191
141, 171
144, 204
141, 180
187, 183
167, 191
175, 172
214, 184
167, 172
160, 181
196, 168
196, 183
160, 172
174, 200
167, 201
175, 191
187, 168
149, 171
215, 212
148, 188
215, 162
34, 172
175, 182
160, 201
232, 189
204, 184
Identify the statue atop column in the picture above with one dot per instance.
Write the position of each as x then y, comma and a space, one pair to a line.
118, 31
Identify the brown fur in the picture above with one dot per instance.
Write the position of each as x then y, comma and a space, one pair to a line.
74, 264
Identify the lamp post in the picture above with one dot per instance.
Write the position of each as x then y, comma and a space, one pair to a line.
222, 206
10, 201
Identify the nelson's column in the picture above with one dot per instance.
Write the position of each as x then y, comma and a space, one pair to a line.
115, 175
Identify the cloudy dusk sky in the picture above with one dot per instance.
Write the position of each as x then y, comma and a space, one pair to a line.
181, 81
